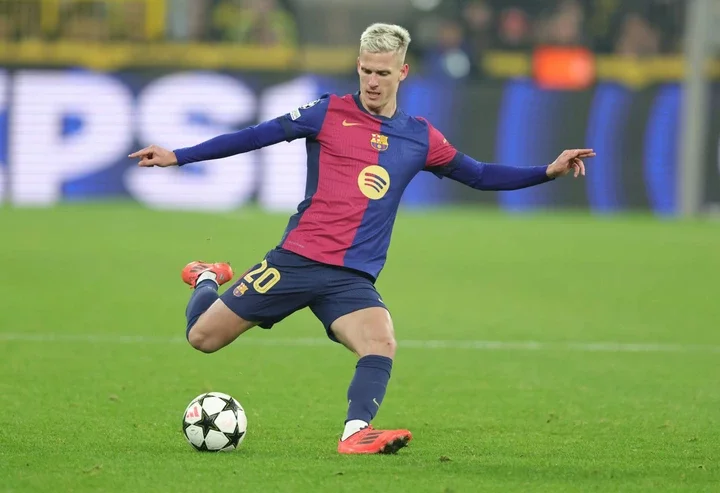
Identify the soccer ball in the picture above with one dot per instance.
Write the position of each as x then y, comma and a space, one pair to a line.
214, 422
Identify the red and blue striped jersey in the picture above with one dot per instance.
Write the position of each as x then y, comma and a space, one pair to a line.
358, 166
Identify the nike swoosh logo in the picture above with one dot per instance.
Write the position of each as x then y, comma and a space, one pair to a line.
349, 124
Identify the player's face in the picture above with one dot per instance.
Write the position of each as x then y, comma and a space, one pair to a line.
380, 77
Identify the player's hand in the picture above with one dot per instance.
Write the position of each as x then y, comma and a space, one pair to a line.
570, 160
155, 156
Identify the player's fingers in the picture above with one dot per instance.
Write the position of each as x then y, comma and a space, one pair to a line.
148, 163
569, 155
579, 167
140, 153
582, 152
586, 153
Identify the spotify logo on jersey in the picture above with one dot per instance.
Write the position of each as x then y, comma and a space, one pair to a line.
374, 182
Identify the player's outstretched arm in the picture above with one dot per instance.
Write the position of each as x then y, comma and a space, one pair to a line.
446, 161
303, 122
245, 140
486, 176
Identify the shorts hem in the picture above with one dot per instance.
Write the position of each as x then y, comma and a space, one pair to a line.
328, 330
265, 324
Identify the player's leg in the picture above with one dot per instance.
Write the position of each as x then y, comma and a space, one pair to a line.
264, 295
369, 334
357, 318
211, 325
217, 327
366, 332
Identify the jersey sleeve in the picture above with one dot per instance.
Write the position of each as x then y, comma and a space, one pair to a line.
440, 151
307, 120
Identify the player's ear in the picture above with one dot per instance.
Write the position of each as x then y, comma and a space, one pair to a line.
404, 71
358, 64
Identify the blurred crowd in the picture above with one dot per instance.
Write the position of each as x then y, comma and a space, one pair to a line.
268, 22
455, 35
264, 22
633, 27
470, 27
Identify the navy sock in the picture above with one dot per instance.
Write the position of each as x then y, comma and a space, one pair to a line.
367, 389
204, 295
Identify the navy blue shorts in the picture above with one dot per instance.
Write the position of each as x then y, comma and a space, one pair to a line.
285, 282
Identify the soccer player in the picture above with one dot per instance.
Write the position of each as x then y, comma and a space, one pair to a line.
362, 151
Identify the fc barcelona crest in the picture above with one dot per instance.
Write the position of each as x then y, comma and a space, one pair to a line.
240, 289
379, 142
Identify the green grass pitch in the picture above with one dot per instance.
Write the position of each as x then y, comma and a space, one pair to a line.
549, 352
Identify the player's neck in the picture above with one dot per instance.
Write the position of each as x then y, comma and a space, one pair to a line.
387, 111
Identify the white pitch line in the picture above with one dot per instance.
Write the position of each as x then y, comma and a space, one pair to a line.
610, 347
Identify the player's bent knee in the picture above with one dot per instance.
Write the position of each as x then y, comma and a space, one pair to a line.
201, 341
380, 340
385, 345
216, 328
365, 332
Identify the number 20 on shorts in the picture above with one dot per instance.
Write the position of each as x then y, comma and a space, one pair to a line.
262, 278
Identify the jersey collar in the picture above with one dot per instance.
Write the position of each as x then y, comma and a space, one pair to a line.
359, 104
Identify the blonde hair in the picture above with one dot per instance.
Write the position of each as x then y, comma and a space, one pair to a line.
385, 38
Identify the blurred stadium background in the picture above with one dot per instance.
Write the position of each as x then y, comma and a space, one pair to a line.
511, 81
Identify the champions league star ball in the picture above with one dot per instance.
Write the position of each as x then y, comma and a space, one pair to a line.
214, 422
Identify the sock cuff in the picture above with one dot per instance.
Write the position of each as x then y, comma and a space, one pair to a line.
375, 361
207, 283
